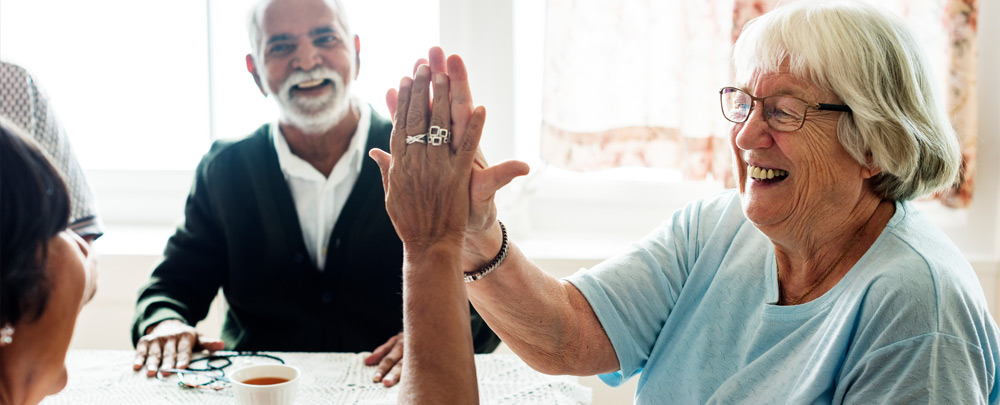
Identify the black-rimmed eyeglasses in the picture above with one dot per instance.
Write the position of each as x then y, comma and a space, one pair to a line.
782, 113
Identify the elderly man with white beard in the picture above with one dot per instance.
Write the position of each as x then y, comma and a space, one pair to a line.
289, 222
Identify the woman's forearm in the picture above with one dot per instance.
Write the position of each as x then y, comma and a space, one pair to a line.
547, 322
439, 364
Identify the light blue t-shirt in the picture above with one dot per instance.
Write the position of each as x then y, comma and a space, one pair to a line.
692, 308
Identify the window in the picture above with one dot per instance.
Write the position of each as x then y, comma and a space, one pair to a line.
130, 88
143, 87
555, 206
147, 85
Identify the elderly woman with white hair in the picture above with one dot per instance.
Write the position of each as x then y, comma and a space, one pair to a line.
814, 282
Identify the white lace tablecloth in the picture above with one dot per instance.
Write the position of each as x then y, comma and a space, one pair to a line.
105, 377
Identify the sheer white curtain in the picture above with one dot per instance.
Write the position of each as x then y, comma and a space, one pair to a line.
635, 82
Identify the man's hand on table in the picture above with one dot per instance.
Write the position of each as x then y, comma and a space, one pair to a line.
169, 344
389, 358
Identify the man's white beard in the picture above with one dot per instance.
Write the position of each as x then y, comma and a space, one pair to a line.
313, 115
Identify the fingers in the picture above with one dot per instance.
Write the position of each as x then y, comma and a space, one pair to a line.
435, 58
169, 355
381, 351
397, 142
495, 177
469, 144
419, 105
383, 160
416, 65
461, 97
481, 159
461, 93
141, 349
209, 344
389, 361
392, 378
168, 344
390, 101
184, 347
440, 117
153, 358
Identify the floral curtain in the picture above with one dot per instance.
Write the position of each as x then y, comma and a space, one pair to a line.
635, 82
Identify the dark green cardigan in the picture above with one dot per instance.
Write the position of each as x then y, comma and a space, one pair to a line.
241, 233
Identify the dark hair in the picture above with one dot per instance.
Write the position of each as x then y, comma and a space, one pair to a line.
34, 207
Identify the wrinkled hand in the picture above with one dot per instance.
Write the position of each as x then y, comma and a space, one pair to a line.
168, 345
389, 358
427, 186
482, 236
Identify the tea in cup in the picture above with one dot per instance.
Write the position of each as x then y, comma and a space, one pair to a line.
265, 384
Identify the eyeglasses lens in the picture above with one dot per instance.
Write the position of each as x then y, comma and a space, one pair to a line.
201, 379
783, 113
735, 104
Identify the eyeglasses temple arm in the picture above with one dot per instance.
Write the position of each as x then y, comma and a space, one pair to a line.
833, 107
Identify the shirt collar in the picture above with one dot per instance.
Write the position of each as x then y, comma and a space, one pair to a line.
293, 165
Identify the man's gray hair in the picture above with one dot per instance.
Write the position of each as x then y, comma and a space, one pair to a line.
254, 30
868, 58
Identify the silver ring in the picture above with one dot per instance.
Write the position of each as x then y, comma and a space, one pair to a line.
415, 138
437, 135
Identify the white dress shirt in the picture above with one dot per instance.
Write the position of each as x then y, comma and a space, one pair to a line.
319, 199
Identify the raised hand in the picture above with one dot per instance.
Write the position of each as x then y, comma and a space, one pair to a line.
482, 232
426, 184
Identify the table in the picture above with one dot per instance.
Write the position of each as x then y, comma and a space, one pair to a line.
105, 377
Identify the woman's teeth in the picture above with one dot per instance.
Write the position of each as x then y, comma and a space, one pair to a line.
760, 173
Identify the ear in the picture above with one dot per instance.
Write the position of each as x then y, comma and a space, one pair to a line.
869, 170
357, 56
252, 68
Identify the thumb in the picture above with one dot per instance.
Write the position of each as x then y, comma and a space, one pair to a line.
495, 177
210, 344
384, 160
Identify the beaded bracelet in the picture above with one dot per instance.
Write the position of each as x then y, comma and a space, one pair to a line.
493, 264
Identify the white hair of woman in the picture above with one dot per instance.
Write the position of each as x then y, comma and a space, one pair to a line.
898, 122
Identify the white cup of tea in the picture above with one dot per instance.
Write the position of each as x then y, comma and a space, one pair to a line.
265, 384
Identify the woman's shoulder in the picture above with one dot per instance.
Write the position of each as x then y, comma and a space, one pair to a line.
912, 248
915, 275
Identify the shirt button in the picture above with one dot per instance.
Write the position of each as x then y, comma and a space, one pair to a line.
327, 297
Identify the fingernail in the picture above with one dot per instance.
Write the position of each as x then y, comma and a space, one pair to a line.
439, 79
378, 377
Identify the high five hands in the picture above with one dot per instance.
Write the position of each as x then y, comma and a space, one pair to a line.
482, 233
439, 189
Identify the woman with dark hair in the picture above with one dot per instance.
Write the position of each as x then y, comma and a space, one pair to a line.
46, 272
